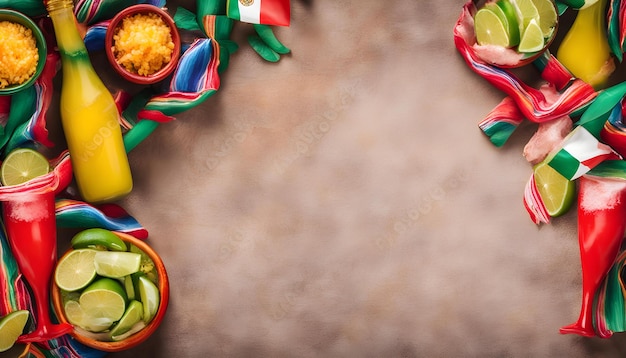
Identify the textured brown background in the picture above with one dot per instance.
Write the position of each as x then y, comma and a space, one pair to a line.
343, 203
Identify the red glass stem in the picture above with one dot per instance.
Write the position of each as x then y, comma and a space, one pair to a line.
600, 232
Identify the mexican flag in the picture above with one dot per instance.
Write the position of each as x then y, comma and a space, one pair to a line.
579, 153
267, 12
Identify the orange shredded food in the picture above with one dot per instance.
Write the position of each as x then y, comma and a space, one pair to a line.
143, 44
18, 54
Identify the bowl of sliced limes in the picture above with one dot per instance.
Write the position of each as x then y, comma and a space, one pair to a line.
112, 287
512, 33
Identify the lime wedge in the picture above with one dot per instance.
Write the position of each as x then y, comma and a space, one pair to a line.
532, 40
11, 327
526, 12
547, 16
75, 270
149, 295
22, 165
116, 264
99, 239
129, 286
510, 13
556, 191
76, 316
489, 28
133, 314
103, 299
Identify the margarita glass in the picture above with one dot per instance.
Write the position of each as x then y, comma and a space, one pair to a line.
30, 223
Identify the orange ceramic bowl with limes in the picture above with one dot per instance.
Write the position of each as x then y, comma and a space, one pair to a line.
138, 337
505, 23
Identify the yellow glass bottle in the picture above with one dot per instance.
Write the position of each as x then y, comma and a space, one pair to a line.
585, 49
89, 116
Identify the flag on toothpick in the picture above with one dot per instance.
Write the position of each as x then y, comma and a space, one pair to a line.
579, 153
267, 12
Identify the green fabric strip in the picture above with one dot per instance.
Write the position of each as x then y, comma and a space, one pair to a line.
610, 169
564, 163
233, 9
598, 112
23, 106
614, 313
499, 133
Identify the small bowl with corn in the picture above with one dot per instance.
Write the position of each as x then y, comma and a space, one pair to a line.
23, 52
142, 44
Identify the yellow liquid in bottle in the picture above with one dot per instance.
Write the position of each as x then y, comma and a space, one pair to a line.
585, 49
90, 120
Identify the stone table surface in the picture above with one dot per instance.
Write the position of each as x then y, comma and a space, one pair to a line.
343, 203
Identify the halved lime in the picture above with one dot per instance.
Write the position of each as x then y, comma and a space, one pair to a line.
532, 40
99, 239
489, 28
77, 316
76, 269
548, 16
11, 327
22, 165
149, 295
116, 264
556, 191
133, 314
105, 298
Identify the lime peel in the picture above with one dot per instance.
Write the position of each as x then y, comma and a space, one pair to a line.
96, 238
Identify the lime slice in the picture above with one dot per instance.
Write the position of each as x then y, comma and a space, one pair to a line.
76, 269
532, 39
133, 314
99, 239
149, 295
22, 165
11, 327
129, 286
547, 16
116, 264
526, 12
104, 298
489, 28
510, 13
556, 191
134, 329
76, 316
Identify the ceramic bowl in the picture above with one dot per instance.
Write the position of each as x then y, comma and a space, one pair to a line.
19, 18
140, 336
110, 42
522, 59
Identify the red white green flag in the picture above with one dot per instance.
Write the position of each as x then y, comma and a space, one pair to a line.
267, 12
580, 152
